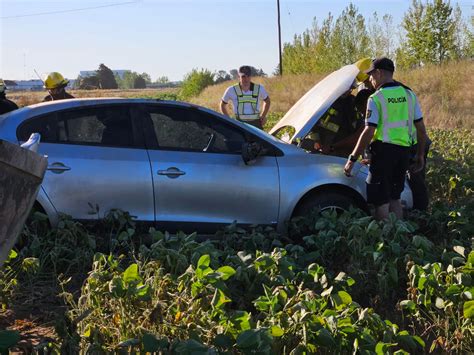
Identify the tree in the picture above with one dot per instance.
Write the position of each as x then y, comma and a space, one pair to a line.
222, 76
162, 80
349, 40
196, 81
381, 36
139, 82
106, 77
146, 77
433, 33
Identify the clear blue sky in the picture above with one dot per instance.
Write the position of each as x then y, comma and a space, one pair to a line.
160, 37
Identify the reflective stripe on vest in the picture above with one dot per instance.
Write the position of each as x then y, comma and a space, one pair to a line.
325, 122
251, 99
396, 116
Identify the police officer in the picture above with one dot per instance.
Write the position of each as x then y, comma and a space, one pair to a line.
56, 86
5, 104
394, 123
246, 97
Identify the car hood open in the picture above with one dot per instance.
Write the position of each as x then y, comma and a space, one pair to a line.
309, 109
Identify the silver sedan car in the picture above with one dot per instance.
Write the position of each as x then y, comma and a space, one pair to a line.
184, 167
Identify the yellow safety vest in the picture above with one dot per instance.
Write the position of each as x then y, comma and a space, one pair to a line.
396, 108
251, 99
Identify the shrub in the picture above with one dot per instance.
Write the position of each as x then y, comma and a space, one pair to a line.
194, 82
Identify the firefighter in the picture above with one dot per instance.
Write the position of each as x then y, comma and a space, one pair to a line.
6, 105
56, 86
394, 123
246, 97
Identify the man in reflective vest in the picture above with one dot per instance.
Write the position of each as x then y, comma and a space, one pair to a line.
394, 123
246, 97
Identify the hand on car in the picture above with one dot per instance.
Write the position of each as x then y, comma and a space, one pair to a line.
348, 168
263, 120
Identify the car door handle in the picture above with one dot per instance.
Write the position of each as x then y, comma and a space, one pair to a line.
171, 172
58, 168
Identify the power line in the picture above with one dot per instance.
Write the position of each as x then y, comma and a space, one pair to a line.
71, 10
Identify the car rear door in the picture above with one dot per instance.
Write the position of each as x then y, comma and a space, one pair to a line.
200, 179
96, 161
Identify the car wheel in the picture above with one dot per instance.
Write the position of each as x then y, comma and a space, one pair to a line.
323, 201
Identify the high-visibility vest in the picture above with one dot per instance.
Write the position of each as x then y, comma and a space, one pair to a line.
327, 121
396, 108
251, 99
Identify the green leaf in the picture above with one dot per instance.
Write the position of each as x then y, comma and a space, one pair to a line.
131, 274
191, 346
453, 290
8, 338
226, 271
143, 292
117, 287
419, 341
341, 299
248, 339
151, 343
12, 255
468, 309
276, 331
325, 338
223, 341
204, 261
408, 304
470, 258
219, 298
382, 348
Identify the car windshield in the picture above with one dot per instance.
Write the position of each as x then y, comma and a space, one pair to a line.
267, 135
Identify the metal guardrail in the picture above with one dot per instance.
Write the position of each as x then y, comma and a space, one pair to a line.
21, 173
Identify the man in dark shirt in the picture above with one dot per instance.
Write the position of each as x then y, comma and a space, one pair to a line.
56, 84
5, 104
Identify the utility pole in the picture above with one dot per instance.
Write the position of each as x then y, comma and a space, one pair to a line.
279, 38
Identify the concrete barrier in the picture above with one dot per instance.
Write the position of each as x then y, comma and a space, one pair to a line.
21, 174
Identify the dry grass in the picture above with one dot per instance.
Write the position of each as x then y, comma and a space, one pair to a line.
445, 92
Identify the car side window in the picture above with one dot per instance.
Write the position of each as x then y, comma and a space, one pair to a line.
107, 126
44, 125
186, 129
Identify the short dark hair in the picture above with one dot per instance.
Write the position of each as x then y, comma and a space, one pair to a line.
245, 69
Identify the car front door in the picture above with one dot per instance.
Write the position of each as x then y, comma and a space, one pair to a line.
96, 162
200, 179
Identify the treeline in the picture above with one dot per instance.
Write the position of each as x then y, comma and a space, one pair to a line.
430, 32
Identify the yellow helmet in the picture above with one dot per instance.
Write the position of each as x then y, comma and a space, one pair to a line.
55, 80
363, 64
3, 87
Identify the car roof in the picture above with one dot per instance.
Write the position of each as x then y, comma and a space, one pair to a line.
9, 121
310, 108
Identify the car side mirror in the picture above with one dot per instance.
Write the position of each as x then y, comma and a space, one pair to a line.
251, 151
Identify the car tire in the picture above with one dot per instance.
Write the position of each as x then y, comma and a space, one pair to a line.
325, 200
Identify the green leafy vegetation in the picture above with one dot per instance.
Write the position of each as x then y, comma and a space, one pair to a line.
347, 284
194, 82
